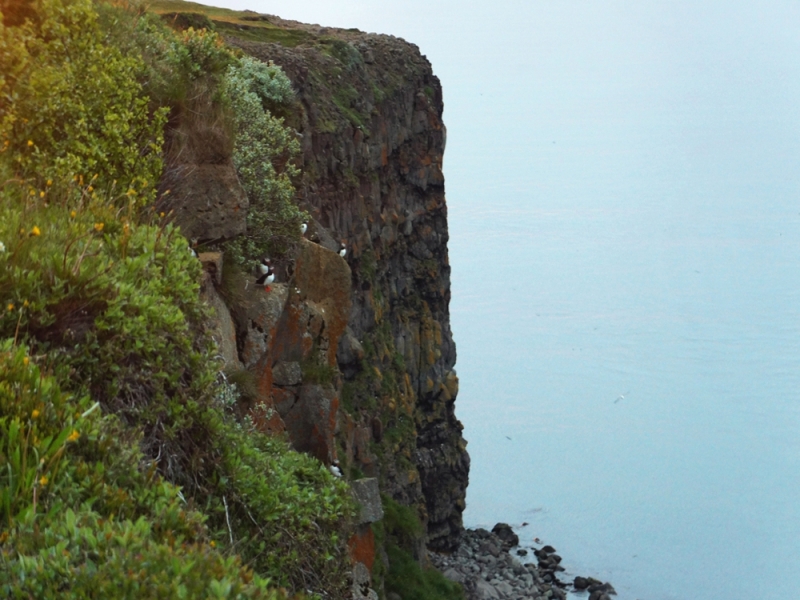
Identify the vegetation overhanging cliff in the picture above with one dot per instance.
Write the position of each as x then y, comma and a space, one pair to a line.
119, 384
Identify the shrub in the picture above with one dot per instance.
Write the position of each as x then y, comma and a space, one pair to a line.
267, 81
172, 61
84, 115
406, 577
79, 519
117, 301
287, 515
263, 154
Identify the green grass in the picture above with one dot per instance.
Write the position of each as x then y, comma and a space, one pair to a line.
241, 24
412, 582
258, 33
316, 372
399, 530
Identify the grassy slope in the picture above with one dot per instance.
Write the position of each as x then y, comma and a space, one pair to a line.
243, 24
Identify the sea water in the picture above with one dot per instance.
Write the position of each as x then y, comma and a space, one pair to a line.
623, 183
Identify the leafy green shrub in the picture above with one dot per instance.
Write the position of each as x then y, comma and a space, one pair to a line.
79, 519
268, 81
85, 115
118, 301
263, 154
287, 515
172, 61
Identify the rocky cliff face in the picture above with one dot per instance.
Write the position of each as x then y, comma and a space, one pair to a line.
354, 358
373, 141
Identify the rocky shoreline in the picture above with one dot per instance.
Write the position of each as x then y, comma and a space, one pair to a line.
487, 570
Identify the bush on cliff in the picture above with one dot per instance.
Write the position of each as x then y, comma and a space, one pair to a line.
263, 153
80, 518
70, 104
99, 304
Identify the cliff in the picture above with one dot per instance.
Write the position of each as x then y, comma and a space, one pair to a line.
352, 358
373, 139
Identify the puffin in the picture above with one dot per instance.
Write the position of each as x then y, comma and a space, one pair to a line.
342, 249
303, 228
267, 274
334, 469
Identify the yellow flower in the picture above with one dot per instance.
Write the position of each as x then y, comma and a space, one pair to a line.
36, 231
161, 215
41, 194
32, 192
212, 543
73, 436
30, 143
25, 362
43, 480
98, 227
90, 189
10, 306
49, 182
25, 303
35, 413
72, 214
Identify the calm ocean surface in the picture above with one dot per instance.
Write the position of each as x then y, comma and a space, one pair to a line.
623, 182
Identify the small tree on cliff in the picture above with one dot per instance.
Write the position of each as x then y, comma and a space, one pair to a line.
263, 155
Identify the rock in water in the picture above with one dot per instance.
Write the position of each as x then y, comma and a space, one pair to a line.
506, 534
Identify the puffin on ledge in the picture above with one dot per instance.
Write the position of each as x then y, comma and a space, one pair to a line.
303, 228
342, 249
267, 274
